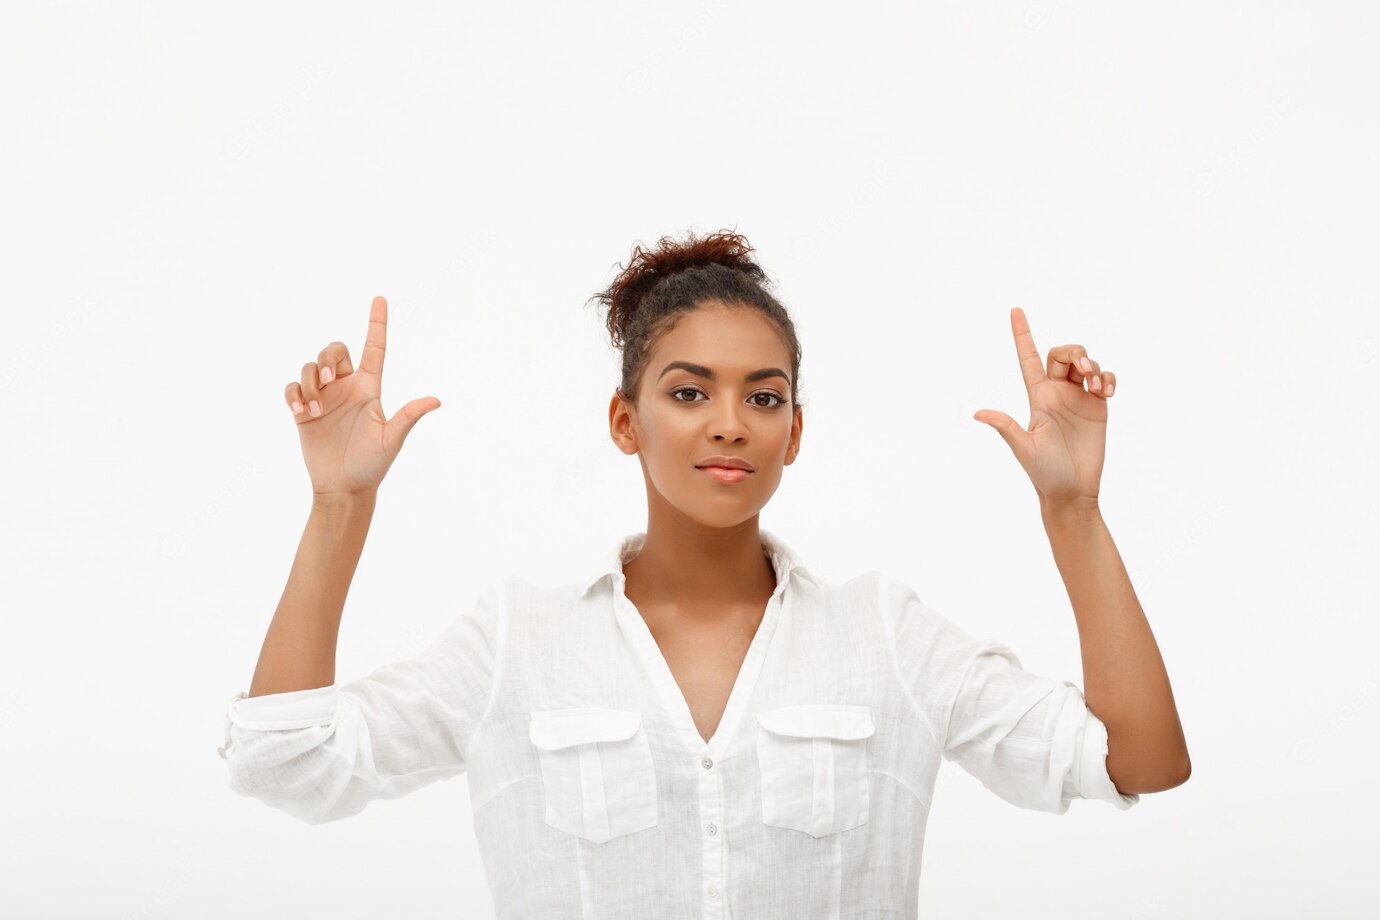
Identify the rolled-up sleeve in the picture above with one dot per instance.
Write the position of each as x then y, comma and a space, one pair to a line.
1029, 738
324, 753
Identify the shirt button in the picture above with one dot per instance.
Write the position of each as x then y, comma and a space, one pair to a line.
713, 892
712, 829
707, 762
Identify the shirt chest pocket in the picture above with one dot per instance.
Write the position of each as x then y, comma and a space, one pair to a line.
813, 763
596, 770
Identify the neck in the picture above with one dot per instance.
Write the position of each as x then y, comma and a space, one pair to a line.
697, 567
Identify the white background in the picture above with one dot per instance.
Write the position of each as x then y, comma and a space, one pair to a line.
197, 199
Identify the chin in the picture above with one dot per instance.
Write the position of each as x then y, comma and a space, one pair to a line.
727, 513
723, 514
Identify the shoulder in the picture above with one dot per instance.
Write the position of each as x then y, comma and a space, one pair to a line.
887, 593
517, 597
876, 595
513, 593
906, 616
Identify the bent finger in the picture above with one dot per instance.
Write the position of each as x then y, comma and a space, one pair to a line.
311, 389
1062, 362
334, 361
292, 395
1084, 368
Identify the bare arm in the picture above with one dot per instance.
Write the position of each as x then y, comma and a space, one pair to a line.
1124, 677
1063, 450
348, 445
322, 756
299, 651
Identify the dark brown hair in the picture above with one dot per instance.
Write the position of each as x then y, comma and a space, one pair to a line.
659, 285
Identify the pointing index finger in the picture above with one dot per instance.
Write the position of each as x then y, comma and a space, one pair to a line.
371, 360
1032, 371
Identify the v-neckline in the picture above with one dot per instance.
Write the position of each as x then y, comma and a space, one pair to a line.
659, 669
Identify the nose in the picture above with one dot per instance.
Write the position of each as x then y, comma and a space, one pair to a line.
727, 423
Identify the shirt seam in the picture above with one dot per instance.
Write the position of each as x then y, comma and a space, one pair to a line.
900, 679
500, 644
905, 786
953, 701
488, 799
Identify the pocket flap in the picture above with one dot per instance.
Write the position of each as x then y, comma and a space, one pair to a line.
819, 720
553, 729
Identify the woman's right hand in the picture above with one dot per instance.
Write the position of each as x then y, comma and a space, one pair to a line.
347, 443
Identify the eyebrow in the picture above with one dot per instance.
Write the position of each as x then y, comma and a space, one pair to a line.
706, 373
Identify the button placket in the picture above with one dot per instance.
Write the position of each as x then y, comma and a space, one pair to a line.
712, 849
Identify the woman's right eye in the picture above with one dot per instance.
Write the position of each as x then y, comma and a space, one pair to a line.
684, 390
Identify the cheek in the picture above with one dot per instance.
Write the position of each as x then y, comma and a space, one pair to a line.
777, 439
666, 433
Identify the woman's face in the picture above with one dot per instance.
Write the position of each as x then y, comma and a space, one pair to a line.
717, 384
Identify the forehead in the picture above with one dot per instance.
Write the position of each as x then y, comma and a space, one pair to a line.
717, 335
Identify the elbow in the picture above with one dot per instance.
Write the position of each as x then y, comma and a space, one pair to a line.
312, 786
310, 800
1183, 769
1159, 779
308, 771
1184, 772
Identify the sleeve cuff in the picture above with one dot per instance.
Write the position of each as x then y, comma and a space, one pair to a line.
1093, 780
283, 711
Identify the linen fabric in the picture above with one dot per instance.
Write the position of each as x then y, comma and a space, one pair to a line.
593, 793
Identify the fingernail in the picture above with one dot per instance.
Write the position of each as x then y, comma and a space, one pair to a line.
327, 374
296, 408
1083, 363
1110, 388
315, 407
1097, 381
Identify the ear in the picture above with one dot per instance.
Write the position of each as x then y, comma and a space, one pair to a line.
797, 425
621, 428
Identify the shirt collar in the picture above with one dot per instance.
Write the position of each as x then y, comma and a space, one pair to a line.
784, 560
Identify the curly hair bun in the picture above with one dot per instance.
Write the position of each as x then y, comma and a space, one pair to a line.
648, 267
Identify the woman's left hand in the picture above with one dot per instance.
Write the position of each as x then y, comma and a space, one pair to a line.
1063, 449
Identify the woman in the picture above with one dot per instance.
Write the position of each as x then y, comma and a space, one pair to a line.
704, 728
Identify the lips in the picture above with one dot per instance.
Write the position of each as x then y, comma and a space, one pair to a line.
727, 463
725, 474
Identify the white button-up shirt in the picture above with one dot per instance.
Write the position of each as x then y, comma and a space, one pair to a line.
594, 794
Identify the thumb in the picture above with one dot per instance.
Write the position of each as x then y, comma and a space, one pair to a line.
402, 421
1014, 435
